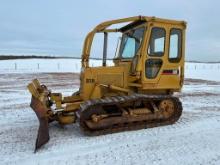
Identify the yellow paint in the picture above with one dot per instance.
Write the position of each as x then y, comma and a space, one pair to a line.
119, 76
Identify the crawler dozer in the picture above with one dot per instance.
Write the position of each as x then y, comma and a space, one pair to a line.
136, 92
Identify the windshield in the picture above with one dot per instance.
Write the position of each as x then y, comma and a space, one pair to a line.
131, 42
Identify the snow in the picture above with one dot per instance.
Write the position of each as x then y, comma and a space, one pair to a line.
194, 139
205, 71
45, 65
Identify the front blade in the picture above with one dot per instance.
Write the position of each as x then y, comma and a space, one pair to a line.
43, 134
43, 131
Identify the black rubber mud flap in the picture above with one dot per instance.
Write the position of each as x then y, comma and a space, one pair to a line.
43, 131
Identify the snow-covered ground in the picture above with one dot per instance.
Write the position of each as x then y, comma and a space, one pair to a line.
45, 65
205, 71
192, 70
194, 139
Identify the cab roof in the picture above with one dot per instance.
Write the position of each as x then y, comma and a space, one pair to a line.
138, 20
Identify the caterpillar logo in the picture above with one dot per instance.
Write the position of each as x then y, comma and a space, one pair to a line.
88, 80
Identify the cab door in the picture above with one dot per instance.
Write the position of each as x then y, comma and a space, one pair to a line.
155, 54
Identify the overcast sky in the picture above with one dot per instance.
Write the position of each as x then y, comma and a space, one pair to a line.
58, 27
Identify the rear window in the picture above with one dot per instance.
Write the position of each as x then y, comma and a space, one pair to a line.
175, 49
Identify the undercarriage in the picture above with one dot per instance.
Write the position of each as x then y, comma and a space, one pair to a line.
123, 113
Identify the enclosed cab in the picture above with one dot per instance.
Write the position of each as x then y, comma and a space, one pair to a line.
149, 58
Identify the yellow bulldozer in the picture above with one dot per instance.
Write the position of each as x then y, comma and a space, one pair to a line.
135, 93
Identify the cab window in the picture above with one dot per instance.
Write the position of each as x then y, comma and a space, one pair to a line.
157, 42
175, 45
152, 68
131, 42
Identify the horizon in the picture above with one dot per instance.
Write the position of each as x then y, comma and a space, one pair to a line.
59, 28
75, 57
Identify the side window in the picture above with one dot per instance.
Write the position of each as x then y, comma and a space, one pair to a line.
152, 67
175, 45
157, 42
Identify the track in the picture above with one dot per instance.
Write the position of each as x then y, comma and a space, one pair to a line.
125, 123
